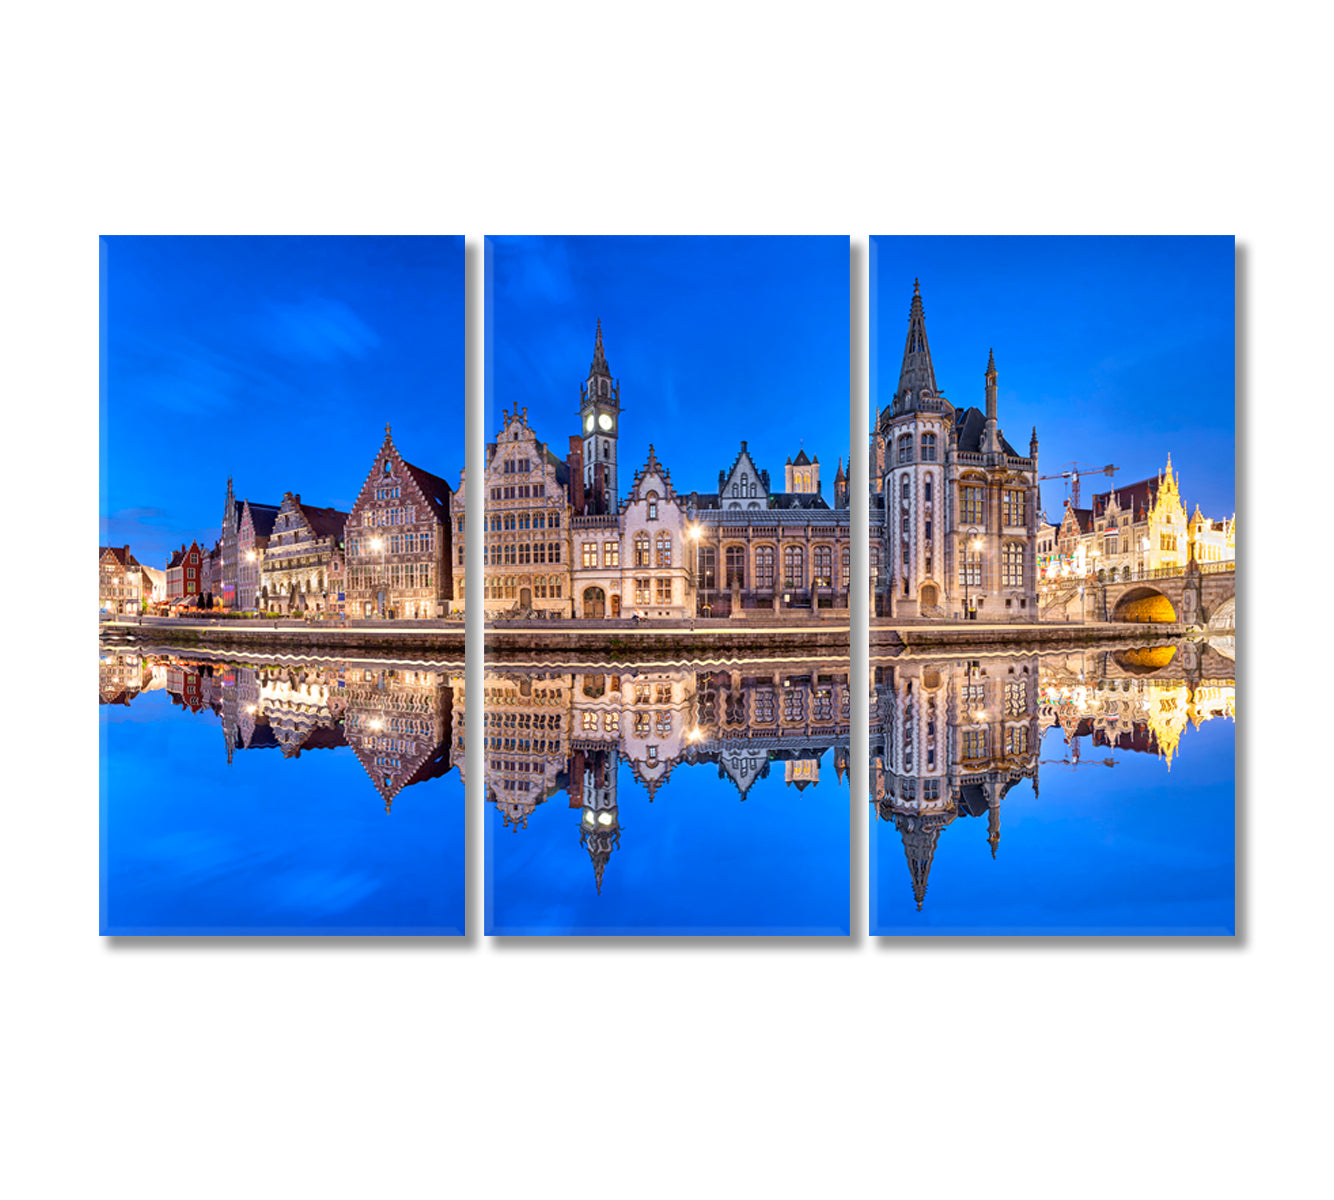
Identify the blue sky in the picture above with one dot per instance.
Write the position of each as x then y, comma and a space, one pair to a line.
714, 340
277, 360
1119, 349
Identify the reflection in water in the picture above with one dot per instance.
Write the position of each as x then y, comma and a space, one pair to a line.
951, 737
307, 822
398, 720
697, 736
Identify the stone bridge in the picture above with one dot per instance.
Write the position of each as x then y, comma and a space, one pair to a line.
1202, 595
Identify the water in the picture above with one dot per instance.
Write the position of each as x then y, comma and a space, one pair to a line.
278, 798
1081, 793
642, 799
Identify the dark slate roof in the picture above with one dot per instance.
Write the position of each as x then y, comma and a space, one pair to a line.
262, 517
1137, 498
177, 557
970, 423
797, 500
801, 460
325, 522
435, 489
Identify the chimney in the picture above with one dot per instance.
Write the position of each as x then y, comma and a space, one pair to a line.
575, 462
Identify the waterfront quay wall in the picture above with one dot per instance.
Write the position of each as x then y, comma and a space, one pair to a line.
518, 640
887, 635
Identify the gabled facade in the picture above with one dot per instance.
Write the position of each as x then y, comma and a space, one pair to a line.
656, 581
185, 575
121, 587
526, 556
302, 564
398, 541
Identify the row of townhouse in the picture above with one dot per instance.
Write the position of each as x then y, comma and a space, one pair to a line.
560, 541
388, 557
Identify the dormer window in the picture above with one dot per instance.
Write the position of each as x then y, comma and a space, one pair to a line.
386, 466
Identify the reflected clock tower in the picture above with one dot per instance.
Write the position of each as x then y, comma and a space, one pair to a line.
600, 425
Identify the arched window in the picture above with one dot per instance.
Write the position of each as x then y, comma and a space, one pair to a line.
903, 490
736, 566
847, 568
905, 448
764, 568
664, 549
822, 562
641, 550
928, 447
794, 567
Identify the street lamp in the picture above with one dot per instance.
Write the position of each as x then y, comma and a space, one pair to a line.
692, 532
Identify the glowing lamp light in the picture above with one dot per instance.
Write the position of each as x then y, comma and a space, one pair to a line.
250, 708
605, 818
588, 817
376, 723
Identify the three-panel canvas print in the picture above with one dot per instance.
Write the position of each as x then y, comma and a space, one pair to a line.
681, 562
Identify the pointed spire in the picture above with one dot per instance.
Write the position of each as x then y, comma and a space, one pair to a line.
919, 847
991, 361
599, 366
917, 374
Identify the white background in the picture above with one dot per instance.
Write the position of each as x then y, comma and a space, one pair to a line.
385, 1069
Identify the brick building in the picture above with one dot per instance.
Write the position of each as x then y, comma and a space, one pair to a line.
398, 541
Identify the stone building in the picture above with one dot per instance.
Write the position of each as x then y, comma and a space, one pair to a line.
254, 528
526, 555
398, 541
760, 549
955, 505
121, 586
301, 566
636, 562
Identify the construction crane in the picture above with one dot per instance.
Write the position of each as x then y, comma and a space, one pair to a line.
1072, 477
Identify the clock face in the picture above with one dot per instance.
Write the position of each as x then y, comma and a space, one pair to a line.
605, 421
588, 423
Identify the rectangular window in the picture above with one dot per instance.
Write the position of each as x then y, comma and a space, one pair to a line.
611, 554
641, 591
664, 591
1014, 506
972, 505
590, 554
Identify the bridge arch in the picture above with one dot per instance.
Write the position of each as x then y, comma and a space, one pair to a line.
1144, 605
1223, 618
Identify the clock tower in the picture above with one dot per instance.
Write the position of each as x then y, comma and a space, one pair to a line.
600, 425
